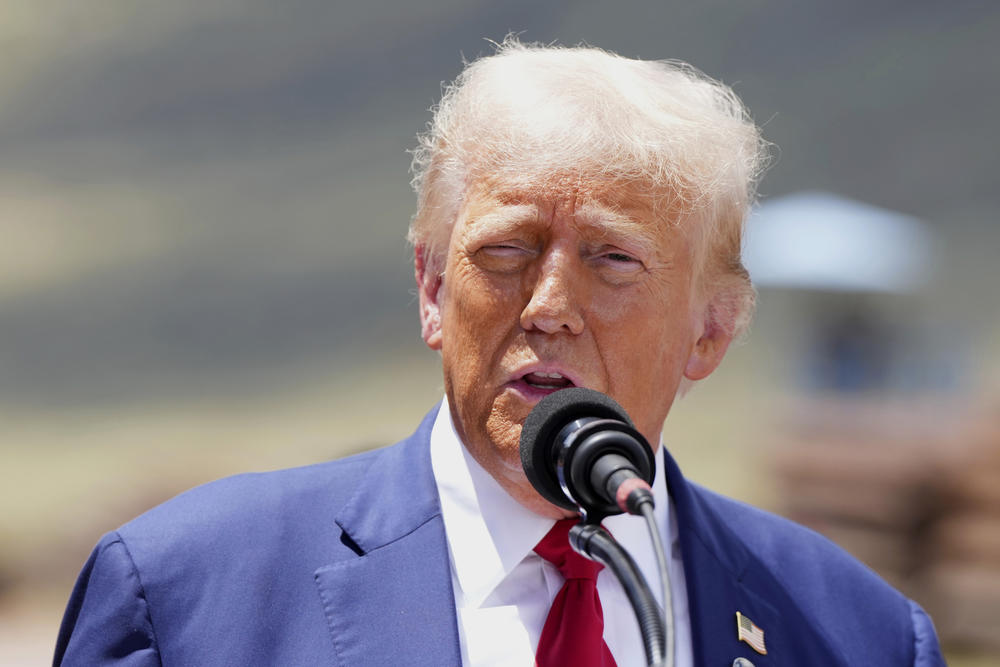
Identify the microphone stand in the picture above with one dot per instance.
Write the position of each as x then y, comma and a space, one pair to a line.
580, 450
594, 542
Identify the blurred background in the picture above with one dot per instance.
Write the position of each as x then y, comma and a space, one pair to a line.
203, 271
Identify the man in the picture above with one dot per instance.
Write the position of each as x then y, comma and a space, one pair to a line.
579, 224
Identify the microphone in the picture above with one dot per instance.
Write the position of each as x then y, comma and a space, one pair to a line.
580, 451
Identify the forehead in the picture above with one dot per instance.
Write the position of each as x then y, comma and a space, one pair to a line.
599, 205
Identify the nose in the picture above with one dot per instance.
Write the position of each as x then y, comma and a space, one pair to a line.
555, 304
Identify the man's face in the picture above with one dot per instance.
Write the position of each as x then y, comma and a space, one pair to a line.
571, 287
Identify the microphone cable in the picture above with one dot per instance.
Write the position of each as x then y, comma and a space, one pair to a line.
661, 563
580, 451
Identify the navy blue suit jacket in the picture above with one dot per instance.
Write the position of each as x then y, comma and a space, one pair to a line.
346, 563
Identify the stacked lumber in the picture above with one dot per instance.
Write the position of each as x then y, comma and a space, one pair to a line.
909, 490
962, 578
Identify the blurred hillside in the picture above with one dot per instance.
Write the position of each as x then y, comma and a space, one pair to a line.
194, 195
203, 208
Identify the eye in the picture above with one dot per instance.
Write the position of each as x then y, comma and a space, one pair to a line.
503, 250
503, 257
621, 258
617, 266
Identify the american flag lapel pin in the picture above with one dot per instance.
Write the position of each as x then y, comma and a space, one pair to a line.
750, 633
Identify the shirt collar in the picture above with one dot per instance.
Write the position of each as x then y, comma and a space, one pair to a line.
489, 533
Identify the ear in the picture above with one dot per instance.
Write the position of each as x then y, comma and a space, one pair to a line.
710, 347
429, 291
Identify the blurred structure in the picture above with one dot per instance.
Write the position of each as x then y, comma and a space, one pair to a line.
821, 241
873, 452
910, 488
862, 268
962, 573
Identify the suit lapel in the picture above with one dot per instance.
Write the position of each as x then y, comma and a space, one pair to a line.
724, 578
392, 596
405, 605
715, 595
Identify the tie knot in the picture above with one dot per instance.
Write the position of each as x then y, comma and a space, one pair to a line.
555, 548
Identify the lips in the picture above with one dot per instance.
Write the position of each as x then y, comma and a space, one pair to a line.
546, 380
537, 381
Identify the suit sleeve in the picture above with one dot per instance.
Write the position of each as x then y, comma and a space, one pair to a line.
926, 651
107, 620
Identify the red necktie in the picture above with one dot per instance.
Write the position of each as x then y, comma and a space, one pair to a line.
573, 634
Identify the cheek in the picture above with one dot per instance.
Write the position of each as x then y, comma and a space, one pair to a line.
503, 428
481, 307
478, 318
645, 350
480, 321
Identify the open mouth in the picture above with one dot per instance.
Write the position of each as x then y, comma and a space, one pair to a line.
550, 381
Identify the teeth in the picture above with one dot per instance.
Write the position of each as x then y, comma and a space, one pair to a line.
543, 380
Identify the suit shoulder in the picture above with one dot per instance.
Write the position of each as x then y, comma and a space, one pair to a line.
788, 547
248, 508
855, 609
248, 545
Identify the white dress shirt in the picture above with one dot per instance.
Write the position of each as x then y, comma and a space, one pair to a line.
503, 589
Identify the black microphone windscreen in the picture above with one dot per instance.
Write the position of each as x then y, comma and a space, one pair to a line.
544, 423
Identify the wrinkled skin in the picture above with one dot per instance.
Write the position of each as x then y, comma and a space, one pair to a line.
578, 284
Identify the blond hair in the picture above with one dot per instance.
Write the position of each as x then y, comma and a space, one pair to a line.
533, 114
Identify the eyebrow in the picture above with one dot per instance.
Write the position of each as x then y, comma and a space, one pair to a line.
609, 222
506, 218
606, 222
